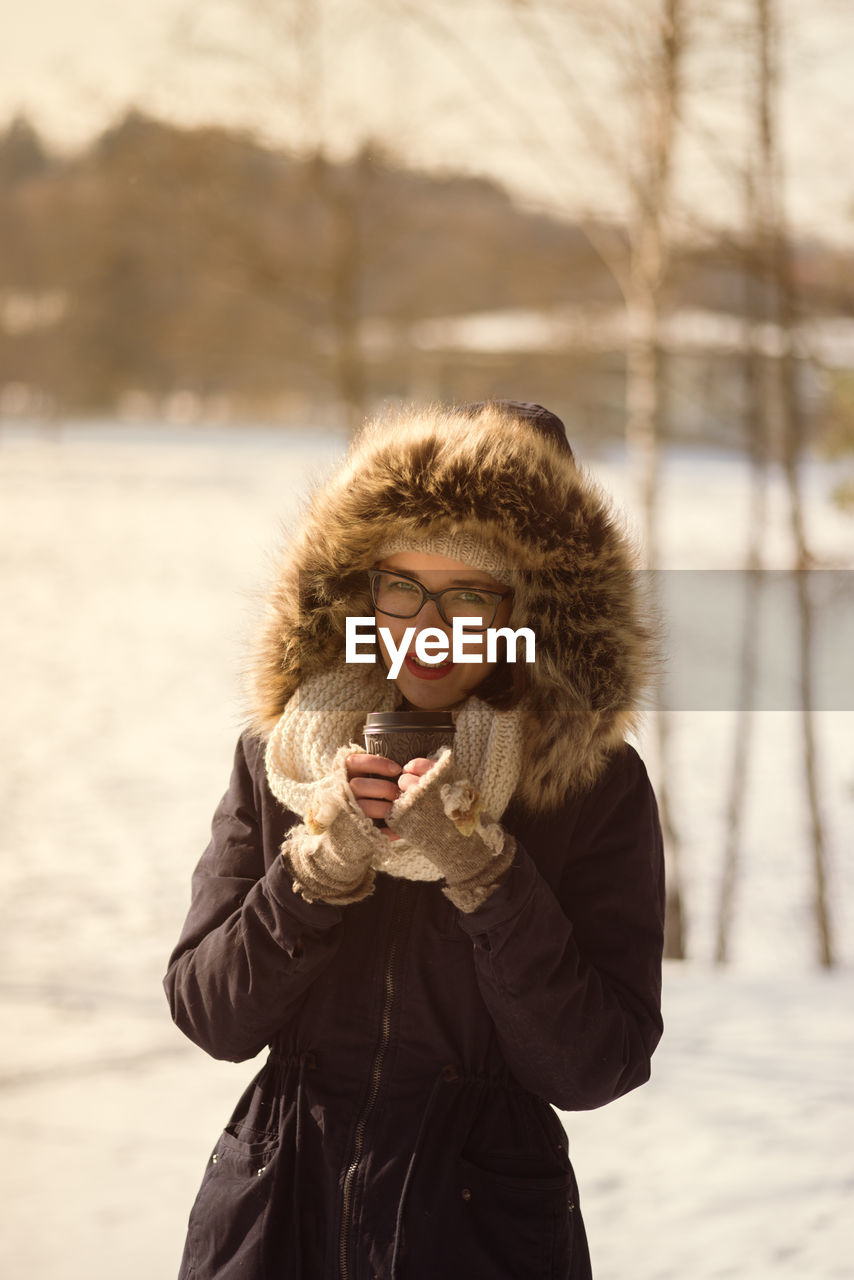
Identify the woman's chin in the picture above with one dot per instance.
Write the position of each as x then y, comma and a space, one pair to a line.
429, 699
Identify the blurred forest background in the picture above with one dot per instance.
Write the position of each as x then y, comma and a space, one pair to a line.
195, 273
609, 224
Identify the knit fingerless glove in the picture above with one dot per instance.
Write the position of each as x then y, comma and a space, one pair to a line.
441, 817
330, 853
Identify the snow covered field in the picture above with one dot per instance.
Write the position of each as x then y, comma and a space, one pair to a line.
130, 559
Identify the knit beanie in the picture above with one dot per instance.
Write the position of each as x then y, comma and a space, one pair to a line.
464, 546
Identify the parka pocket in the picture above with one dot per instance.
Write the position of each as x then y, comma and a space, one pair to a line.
226, 1230
514, 1225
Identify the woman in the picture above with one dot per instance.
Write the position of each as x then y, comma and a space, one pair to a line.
429, 987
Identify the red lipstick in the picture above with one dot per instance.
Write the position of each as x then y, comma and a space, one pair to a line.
426, 673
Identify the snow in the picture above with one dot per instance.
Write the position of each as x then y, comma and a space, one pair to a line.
735, 1160
131, 560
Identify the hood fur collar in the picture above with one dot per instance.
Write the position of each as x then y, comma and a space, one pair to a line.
567, 557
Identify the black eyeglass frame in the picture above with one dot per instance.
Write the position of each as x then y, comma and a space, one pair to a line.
436, 596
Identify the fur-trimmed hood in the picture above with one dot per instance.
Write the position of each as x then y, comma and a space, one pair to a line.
568, 559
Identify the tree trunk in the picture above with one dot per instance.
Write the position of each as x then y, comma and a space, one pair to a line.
644, 384
755, 378
793, 433
341, 196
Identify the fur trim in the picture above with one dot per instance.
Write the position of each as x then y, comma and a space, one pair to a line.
565, 551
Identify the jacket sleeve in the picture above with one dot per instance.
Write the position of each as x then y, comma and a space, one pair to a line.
572, 976
250, 947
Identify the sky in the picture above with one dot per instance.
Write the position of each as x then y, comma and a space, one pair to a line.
487, 104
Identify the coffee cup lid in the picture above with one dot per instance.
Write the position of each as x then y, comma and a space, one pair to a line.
385, 720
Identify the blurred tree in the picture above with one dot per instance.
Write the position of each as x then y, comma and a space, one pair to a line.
28, 296
759, 415
283, 46
779, 405
173, 252
645, 45
794, 430
22, 152
838, 436
655, 95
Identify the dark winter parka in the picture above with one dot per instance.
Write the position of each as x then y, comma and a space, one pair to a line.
402, 1123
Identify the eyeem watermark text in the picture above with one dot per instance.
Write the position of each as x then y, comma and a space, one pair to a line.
431, 644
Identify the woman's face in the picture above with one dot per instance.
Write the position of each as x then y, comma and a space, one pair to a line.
438, 688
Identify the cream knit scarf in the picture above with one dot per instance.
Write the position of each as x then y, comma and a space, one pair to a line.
327, 712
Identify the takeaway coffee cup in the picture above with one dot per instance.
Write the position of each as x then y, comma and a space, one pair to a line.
403, 735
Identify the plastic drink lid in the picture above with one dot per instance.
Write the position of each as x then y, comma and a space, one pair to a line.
383, 721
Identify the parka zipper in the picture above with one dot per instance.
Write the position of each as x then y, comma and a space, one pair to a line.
375, 1078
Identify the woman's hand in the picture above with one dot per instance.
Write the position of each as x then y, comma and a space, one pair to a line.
413, 772
374, 795
441, 816
331, 853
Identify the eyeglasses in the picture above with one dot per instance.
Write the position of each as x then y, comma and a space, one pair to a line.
400, 596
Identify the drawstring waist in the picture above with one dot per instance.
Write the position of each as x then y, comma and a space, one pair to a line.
448, 1075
